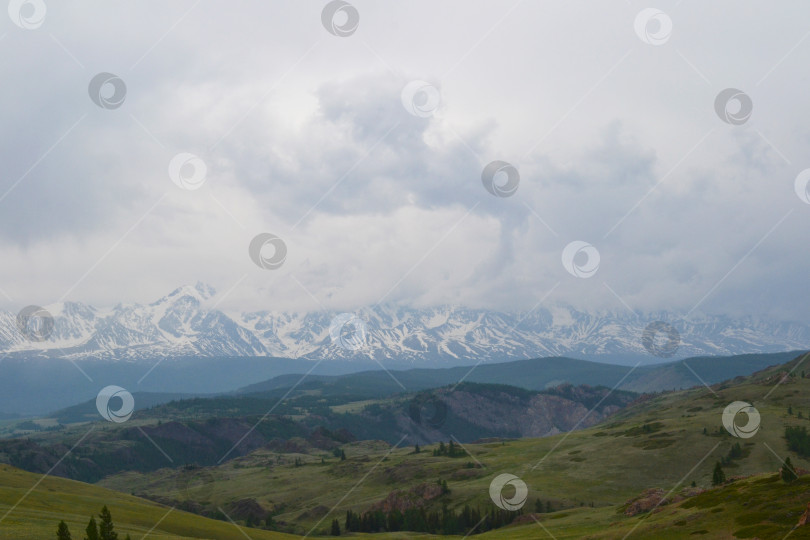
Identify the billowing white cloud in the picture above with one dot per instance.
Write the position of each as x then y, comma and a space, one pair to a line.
304, 135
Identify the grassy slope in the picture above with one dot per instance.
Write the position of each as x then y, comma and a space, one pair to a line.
37, 516
605, 465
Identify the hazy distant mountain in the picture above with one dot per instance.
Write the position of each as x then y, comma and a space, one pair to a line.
181, 324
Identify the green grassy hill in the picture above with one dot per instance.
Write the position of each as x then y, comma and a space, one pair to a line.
757, 507
54, 499
667, 441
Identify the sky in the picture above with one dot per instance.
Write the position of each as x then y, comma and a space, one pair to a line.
361, 148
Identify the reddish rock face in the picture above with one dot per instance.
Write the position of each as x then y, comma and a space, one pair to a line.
805, 517
554, 411
415, 497
654, 498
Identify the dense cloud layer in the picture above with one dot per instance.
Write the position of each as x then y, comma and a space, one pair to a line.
304, 135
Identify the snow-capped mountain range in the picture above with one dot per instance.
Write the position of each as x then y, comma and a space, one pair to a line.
181, 325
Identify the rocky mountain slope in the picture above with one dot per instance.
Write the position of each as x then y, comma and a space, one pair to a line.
187, 323
189, 433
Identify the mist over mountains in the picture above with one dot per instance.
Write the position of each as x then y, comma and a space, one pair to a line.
187, 323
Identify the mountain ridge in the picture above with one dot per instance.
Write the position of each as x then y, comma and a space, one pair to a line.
186, 322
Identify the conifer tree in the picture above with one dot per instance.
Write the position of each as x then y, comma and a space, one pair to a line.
788, 473
62, 532
106, 529
718, 476
92, 530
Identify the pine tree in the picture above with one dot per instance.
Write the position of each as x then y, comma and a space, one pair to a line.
718, 476
106, 529
91, 530
335, 528
342, 455
62, 532
788, 473
416, 449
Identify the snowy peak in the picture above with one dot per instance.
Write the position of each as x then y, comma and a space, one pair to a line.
183, 324
199, 292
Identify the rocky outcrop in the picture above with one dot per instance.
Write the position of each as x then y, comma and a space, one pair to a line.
805, 517
514, 413
653, 499
402, 500
249, 510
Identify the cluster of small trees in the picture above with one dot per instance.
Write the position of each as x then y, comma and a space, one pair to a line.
798, 440
540, 508
735, 452
787, 473
790, 412
103, 530
451, 449
468, 521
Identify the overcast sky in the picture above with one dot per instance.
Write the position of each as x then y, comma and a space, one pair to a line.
611, 124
